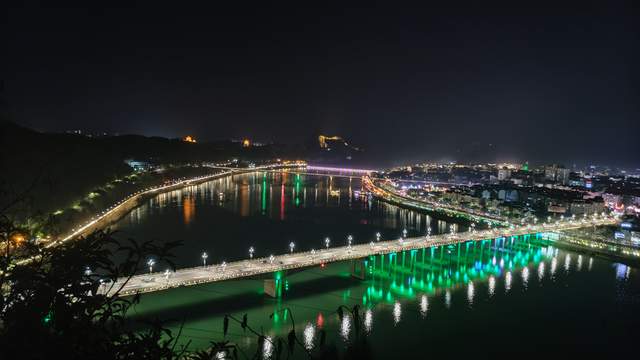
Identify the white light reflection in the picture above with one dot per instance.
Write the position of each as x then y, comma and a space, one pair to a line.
622, 272
424, 306
579, 265
501, 263
554, 267
345, 327
368, 320
541, 271
525, 277
567, 263
447, 299
492, 285
471, 291
309, 334
507, 281
267, 348
590, 263
397, 313
493, 261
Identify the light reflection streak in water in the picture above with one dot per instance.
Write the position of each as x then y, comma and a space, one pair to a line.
447, 299
368, 320
345, 327
470, 293
507, 281
567, 263
267, 348
541, 271
492, 285
590, 263
309, 334
397, 313
525, 277
554, 267
579, 264
622, 271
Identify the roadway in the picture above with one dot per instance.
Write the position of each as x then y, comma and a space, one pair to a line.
246, 268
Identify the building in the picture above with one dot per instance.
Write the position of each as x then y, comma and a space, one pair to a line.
504, 174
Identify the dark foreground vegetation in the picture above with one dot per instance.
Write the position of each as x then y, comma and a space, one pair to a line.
51, 306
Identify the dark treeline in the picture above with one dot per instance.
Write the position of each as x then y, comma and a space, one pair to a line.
67, 165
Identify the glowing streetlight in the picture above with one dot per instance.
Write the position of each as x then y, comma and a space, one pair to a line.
223, 265
251, 251
271, 259
87, 271
292, 246
150, 263
404, 233
378, 236
166, 274
349, 240
204, 257
327, 242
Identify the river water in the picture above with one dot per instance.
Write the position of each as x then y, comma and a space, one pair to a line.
520, 294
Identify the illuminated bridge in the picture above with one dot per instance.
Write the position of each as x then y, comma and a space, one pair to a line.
279, 264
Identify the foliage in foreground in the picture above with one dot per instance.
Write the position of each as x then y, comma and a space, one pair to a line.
51, 306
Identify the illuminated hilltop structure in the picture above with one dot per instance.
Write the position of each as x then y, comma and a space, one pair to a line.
189, 139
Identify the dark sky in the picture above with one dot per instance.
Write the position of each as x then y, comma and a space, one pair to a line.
542, 83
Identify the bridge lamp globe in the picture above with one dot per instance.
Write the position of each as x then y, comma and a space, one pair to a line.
167, 273
404, 232
292, 246
204, 257
223, 265
251, 251
87, 271
378, 236
349, 240
150, 264
327, 242
271, 258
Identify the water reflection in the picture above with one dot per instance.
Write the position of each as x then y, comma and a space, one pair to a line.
309, 334
368, 320
345, 327
424, 306
397, 312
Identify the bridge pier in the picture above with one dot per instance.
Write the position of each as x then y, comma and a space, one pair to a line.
277, 286
359, 269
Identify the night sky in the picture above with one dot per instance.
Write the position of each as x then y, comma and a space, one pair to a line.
462, 83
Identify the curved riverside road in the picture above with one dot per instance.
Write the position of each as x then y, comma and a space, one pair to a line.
246, 268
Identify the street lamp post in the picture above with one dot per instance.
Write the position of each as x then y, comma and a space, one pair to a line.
150, 263
292, 246
404, 233
378, 236
349, 240
251, 251
204, 257
327, 242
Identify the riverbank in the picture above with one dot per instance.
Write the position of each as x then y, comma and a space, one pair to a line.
126, 205
404, 201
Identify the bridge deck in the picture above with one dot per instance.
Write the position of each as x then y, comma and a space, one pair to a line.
246, 268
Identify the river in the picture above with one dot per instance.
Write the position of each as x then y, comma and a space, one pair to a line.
520, 293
